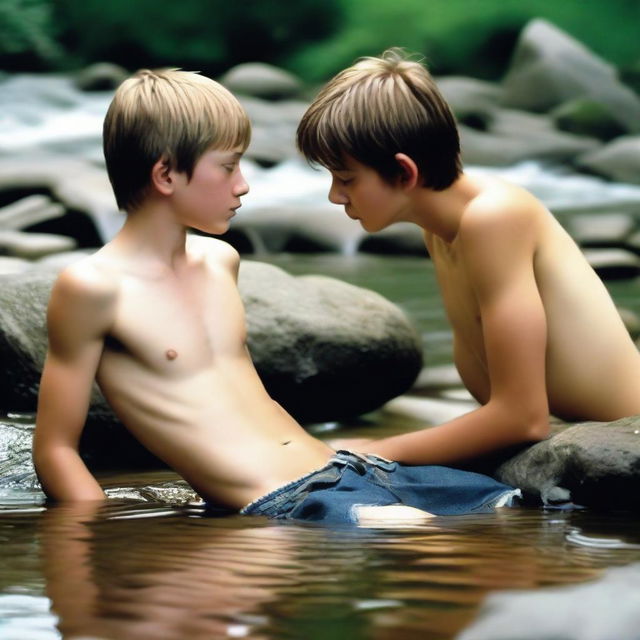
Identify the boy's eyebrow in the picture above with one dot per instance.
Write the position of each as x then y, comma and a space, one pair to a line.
232, 155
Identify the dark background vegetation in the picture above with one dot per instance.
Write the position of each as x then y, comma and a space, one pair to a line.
313, 38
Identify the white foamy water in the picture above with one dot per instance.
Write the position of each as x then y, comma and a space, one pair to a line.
47, 114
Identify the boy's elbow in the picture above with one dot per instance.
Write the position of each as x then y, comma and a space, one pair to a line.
536, 428
525, 424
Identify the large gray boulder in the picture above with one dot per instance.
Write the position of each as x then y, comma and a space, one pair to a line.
603, 609
591, 463
325, 349
549, 67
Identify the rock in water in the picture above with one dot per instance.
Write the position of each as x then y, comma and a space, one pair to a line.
23, 336
326, 349
591, 463
619, 160
605, 609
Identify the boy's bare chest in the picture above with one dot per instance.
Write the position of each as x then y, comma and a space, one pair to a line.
184, 325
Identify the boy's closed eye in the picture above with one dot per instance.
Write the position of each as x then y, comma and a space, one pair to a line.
343, 179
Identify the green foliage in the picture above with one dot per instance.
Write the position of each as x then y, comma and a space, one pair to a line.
208, 35
469, 37
311, 37
26, 34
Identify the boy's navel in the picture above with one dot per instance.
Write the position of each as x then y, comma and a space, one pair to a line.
171, 354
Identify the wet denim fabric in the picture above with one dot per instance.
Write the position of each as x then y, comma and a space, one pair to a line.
350, 480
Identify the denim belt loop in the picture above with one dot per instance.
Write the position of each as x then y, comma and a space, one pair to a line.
357, 461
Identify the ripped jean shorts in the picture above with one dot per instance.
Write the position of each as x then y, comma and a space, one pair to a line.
350, 480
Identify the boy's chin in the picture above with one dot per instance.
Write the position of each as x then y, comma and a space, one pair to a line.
371, 228
213, 230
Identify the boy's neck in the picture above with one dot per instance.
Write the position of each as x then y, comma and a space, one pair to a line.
440, 212
152, 234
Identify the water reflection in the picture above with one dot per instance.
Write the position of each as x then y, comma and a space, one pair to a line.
151, 571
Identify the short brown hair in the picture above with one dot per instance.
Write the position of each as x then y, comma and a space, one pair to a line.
172, 113
380, 107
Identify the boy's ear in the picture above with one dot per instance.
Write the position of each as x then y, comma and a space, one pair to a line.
162, 176
409, 172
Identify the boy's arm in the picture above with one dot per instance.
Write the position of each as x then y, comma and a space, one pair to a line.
78, 317
498, 249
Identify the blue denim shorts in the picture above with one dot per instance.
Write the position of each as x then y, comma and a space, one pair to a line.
349, 480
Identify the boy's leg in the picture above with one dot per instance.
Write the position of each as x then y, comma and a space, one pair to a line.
392, 515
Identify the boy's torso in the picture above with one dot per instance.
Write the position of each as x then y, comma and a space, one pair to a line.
592, 366
176, 371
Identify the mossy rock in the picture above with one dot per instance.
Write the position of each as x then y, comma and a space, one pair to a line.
583, 116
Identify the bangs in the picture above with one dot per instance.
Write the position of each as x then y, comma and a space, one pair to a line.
211, 118
232, 127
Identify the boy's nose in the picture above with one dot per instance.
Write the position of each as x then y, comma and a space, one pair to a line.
336, 196
242, 188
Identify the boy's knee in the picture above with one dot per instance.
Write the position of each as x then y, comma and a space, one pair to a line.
389, 515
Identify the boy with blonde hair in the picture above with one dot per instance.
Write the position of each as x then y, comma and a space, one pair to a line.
534, 328
156, 318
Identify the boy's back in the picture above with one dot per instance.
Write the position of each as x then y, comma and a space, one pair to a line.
534, 328
592, 368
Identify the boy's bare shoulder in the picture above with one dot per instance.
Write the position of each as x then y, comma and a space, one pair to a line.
501, 209
88, 279
213, 251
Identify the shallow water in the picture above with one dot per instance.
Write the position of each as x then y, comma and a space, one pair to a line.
150, 564
153, 571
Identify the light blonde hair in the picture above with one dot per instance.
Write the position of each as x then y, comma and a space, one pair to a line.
379, 107
171, 114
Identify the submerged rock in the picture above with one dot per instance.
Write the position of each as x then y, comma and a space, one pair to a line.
604, 609
16, 466
324, 349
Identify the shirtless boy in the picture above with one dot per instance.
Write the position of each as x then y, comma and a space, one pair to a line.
156, 318
534, 328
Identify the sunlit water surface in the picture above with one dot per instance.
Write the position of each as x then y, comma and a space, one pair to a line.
146, 568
